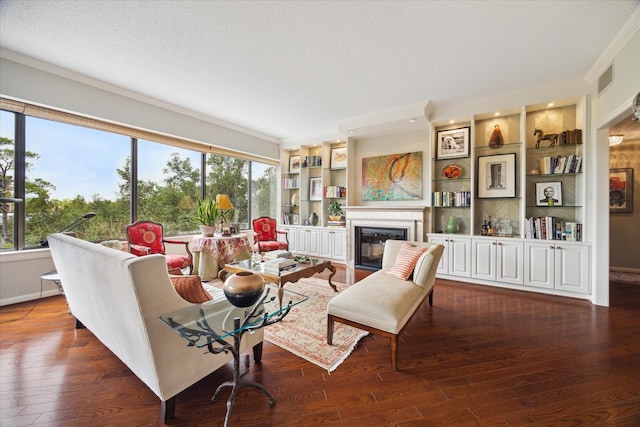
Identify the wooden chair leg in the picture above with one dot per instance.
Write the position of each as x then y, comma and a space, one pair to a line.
394, 352
431, 297
330, 324
168, 409
257, 352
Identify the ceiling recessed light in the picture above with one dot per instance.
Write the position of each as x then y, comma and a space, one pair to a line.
351, 132
551, 104
497, 113
412, 120
452, 121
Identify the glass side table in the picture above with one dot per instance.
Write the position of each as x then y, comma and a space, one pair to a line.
210, 324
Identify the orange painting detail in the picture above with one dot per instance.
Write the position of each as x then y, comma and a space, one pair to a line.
394, 177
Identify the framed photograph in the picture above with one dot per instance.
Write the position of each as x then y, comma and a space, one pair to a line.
315, 188
549, 193
453, 143
497, 176
621, 190
338, 158
294, 164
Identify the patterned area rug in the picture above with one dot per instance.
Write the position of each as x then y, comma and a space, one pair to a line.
304, 331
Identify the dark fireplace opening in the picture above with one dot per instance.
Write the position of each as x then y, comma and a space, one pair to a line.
370, 245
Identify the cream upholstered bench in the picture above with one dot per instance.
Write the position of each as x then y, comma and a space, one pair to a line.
383, 302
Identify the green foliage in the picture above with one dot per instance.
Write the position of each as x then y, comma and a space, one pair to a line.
335, 209
207, 212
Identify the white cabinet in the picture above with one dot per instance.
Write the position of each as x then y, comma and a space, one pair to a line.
309, 241
333, 244
561, 266
292, 237
499, 260
323, 242
456, 259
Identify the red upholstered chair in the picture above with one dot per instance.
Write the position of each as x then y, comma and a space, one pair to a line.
266, 235
146, 237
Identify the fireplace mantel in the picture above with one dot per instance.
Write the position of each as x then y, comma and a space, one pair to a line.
414, 218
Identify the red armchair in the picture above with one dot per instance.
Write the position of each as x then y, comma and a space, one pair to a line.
146, 237
266, 235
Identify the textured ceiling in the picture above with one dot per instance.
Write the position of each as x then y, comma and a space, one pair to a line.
296, 68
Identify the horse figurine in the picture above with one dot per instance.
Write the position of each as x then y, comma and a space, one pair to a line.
551, 137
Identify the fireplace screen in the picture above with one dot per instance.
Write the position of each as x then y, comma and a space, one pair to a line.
370, 245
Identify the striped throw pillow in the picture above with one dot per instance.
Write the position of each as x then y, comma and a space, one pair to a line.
406, 260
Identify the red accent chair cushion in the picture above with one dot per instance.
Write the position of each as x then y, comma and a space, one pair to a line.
146, 237
266, 235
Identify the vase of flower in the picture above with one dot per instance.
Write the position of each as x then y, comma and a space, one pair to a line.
313, 218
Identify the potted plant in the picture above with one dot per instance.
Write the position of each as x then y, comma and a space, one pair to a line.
207, 215
335, 211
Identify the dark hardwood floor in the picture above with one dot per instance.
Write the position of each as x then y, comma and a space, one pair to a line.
481, 356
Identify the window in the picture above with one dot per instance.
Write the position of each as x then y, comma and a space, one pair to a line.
263, 190
7, 176
74, 166
71, 171
168, 184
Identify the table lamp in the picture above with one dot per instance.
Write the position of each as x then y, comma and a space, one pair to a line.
224, 204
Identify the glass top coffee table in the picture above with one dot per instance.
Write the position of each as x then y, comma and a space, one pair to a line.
300, 271
209, 325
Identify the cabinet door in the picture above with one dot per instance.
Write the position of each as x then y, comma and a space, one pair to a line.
326, 243
443, 266
292, 236
509, 262
459, 256
313, 247
571, 262
339, 248
484, 259
539, 265
303, 241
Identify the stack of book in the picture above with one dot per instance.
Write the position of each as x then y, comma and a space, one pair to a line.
278, 265
336, 224
271, 255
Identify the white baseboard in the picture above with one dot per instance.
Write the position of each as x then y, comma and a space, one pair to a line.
30, 297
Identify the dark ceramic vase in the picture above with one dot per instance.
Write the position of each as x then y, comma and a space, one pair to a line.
243, 289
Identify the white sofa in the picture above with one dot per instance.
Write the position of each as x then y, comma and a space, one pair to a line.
383, 304
119, 298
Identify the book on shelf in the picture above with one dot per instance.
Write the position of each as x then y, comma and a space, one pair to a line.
290, 183
335, 191
560, 164
551, 228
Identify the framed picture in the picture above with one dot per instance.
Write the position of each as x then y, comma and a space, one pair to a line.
621, 190
294, 164
497, 176
453, 143
549, 193
315, 189
338, 158
392, 177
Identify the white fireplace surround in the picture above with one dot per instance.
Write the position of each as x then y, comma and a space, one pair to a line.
412, 218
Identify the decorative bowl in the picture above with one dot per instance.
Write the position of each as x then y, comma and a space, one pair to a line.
452, 171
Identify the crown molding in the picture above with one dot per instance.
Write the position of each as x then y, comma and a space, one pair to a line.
630, 27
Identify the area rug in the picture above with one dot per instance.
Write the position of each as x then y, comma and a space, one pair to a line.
304, 331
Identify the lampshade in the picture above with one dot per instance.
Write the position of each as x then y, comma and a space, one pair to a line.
615, 139
223, 202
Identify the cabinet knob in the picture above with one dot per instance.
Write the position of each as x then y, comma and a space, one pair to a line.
494, 243
558, 247
499, 243
551, 247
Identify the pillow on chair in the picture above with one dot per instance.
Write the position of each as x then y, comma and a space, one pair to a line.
406, 261
190, 288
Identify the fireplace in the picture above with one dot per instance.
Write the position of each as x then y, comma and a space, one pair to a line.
369, 245
414, 220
